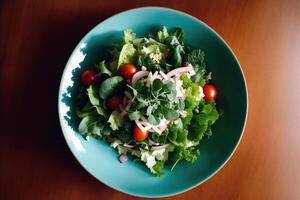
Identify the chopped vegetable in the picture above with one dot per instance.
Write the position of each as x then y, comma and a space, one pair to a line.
123, 158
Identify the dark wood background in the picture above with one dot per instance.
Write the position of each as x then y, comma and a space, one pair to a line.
36, 39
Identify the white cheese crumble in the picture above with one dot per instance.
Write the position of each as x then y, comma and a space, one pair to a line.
156, 57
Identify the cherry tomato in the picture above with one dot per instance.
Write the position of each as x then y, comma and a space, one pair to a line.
210, 92
128, 70
138, 134
114, 102
88, 77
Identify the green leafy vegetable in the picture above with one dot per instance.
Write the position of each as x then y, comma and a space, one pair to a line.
202, 121
162, 35
155, 102
135, 115
85, 110
176, 51
129, 36
127, 55
180, 153
115, 120
91, 124
110, 85
169, 113
196, 58
179, 34
178, 136
103, 69
93, 94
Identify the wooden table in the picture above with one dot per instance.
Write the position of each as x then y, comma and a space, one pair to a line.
36, 41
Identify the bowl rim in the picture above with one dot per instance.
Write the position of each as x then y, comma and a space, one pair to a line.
187, 16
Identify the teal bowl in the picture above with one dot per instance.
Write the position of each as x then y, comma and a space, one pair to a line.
100, 160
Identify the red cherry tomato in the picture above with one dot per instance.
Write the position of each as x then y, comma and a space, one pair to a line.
88, 77
128, 70
138, 134
114, 102
210, 91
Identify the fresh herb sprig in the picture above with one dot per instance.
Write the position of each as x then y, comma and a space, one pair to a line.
155, 101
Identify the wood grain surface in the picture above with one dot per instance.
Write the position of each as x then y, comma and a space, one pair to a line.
36, 39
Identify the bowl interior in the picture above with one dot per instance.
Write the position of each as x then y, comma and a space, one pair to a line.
100, 159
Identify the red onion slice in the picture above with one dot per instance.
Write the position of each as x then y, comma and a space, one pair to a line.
128, 145
128, 105
153, 148
153, 143
165, 77
180, 70
137, 76
128, 95
123, 158
139, 124
124, 101
123, 113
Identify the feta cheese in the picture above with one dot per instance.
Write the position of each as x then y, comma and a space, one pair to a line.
156, 57
143, 68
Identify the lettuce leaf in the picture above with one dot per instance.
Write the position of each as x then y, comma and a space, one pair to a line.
92, 125
162, 35
155, 159
201, 122
95, 101
81, 113
178, 136
93, 94
196, 58
189, 154
109, 86
129, 36
103, 69
127, 55
115, 120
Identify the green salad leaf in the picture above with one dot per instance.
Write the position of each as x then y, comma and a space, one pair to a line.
127, 55
103, 69
196, 58
95, 101
91, 125
202, 121
178, 136
93, 94
162, 35
110, 85
176, 51
115, 120
189, 154
129, 36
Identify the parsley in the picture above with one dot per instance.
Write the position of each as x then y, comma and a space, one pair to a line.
155, 101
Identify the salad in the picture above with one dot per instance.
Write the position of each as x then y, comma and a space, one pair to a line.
151, 99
